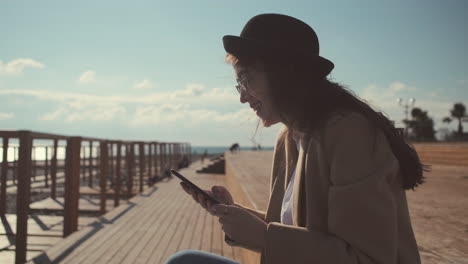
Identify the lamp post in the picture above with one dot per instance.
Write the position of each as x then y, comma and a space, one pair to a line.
406, 106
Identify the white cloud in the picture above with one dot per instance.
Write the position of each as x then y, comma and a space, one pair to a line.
191, 104
87, 77
17, 66
144, 84
385, 99
184, 114
5, 116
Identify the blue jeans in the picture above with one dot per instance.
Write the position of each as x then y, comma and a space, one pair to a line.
191, 256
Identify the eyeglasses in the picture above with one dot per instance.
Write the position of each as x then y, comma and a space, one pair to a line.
242, 85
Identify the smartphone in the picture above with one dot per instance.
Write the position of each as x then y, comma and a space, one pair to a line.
192, 185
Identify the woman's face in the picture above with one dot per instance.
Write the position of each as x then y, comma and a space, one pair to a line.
254, 89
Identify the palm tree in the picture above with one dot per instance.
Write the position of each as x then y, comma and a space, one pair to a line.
459, 112
447, 120
421, 125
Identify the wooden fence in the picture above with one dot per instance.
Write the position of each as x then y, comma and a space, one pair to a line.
87, 160
443, 153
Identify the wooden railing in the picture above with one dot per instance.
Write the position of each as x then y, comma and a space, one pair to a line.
443, 153
87, 160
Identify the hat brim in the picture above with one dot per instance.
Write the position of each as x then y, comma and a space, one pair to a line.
243, 47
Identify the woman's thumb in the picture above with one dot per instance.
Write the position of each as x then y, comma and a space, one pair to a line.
215, 189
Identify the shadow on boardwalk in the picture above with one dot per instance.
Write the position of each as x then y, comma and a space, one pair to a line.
150, 228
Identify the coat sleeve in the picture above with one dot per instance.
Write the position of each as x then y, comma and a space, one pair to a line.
362, 214
278, 153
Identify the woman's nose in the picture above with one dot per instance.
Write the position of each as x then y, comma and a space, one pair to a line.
243, 97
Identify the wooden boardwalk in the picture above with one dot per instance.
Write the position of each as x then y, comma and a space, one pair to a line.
163, 220
44, 231
149, 229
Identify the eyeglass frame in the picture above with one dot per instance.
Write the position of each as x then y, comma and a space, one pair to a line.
242, 85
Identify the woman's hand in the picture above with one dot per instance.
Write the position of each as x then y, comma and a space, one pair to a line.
241, 226
219, 192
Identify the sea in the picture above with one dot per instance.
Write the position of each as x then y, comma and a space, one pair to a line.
222, 149
40, 153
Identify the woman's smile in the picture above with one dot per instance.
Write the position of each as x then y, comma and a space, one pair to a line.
256, 106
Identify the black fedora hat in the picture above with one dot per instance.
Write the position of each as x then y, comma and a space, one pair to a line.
278, 36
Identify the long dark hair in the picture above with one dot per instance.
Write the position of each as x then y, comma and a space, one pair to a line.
305, 101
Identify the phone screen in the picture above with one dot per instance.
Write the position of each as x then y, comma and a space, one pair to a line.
198, 189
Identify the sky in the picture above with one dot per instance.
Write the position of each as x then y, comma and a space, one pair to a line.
155, 70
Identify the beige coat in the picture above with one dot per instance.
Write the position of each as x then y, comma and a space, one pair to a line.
348, 206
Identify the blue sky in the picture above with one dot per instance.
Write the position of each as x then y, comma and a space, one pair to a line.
154, 70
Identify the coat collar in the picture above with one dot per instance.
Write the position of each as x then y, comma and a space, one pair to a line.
295, 156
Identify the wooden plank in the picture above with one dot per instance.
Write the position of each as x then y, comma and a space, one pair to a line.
46, 169
186, 240
98, 245
159, 224
86, 205
150, 164
166, 232
118, 174
218, 234
40, 225
90, 164
130, 163
3, 190
37, 185
53, 171
92, 246
141, 155
23, 196
197, 238
124, 240
177, 227
104, 166
72, 183
207, 232
146, 234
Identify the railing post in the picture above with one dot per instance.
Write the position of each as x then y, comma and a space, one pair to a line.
189, 153
3, 203
141, 157
150, 163
176, 155
90, 164
156, 160
171, 155
72, 185
179, 155
46, 167
23, 195
104, 166
162, 158
130, 158
118, 174
34, 163
15, 165
111, 162
53, 171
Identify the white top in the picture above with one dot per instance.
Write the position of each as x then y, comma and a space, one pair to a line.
286, 215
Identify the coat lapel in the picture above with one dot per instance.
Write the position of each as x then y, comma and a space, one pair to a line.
291, 158
298, 187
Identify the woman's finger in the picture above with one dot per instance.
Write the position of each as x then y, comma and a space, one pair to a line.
209, 204
185, 187
202, 200
194, 195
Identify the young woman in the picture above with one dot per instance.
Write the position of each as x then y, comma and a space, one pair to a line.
340, 169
